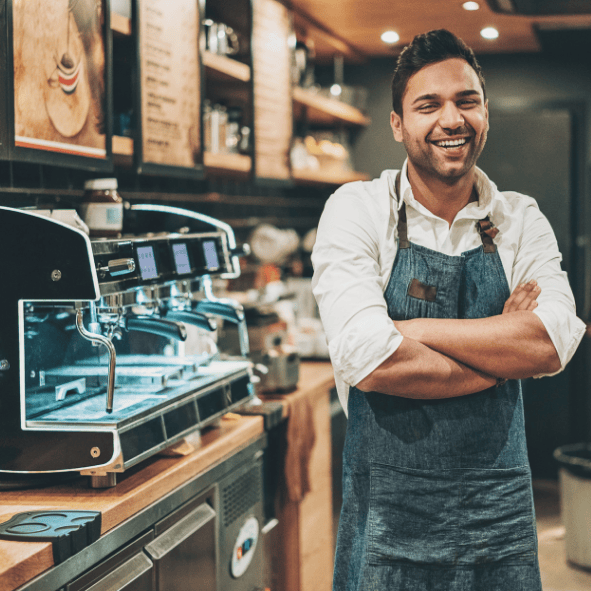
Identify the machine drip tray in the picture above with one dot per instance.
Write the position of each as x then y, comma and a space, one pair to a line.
146, 421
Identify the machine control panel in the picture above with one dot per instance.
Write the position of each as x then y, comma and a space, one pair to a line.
159, 259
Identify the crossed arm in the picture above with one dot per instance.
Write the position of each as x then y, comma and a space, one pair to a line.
445, 358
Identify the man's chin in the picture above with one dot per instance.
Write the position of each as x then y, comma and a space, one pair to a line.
448, 174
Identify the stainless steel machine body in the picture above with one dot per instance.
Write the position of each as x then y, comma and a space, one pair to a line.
92, 377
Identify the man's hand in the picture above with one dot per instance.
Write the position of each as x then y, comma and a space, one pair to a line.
523, 297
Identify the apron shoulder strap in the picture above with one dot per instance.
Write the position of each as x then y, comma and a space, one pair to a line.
402, 225
487, 231
486, 228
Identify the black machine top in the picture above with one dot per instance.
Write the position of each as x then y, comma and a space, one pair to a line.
138, 261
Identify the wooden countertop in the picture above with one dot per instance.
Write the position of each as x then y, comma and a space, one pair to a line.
316, 377
141, 485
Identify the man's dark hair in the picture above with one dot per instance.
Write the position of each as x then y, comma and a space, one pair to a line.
425, 49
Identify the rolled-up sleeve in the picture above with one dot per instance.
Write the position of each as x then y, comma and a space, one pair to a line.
349, 288
538, 258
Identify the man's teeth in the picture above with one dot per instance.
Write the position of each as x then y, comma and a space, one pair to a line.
451, 143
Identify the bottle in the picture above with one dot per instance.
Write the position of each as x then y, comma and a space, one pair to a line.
223, 124
214, 129
102, 210
233, 129
207, 125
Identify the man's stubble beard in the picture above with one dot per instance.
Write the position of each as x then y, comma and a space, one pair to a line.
426, 162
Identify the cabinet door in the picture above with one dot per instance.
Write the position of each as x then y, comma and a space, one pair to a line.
128, 569
133, 575
185, 554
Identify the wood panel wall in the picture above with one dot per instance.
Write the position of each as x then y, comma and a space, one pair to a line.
273, 111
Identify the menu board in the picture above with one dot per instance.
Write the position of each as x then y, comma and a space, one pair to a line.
169, 80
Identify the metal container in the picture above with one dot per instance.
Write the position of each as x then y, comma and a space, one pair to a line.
283, 364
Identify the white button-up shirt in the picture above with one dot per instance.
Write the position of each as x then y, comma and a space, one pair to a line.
355, 248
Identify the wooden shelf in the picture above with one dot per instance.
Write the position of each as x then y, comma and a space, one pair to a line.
222, 67
239, 163
227, 162
122, 146
320, 177
120, 24
326, 110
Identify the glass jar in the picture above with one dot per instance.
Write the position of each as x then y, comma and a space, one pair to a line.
102, 209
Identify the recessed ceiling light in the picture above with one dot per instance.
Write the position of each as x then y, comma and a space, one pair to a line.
470, 6
336, 90
390, 37
489, 33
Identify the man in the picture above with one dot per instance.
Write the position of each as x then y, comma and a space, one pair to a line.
438, 293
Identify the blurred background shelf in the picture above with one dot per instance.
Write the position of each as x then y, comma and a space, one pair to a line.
321, 109
122, 146
120, 24
319, 177
223, 68
238, 163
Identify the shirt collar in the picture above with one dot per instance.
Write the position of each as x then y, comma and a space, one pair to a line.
486, 189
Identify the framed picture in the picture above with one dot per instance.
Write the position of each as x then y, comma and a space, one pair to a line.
60, 55
4, 75
168, 103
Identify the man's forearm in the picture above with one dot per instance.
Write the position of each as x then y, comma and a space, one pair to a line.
513, 345
416, 371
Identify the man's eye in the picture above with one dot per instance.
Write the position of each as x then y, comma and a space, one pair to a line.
428, 107
467, 103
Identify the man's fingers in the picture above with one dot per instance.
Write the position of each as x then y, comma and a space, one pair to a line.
523, 297
529, 302
520, 293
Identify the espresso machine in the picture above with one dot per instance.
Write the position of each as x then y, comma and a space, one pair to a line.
93, 375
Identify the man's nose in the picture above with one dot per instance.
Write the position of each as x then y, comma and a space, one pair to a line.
451, 117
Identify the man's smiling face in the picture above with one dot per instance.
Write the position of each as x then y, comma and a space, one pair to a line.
445, 120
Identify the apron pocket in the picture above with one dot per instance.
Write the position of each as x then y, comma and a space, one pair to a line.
412, 516
498, 522
454, 517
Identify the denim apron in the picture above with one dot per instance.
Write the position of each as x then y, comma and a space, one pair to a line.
437, 494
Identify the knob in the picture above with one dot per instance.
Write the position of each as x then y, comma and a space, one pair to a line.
119, 267
241, 251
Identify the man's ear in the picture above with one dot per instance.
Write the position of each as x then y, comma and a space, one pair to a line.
396, 125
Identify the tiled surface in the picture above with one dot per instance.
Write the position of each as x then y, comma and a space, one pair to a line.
557, 573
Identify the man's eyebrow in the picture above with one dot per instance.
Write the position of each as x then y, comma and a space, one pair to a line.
468, 93
430, 97
425, 97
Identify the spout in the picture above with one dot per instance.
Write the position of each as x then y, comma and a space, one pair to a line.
193, 318
158, 326
227, 309
100, 339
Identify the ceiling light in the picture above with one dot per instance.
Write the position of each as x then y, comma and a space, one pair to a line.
390, 37
336, 90
489, 33
470, 6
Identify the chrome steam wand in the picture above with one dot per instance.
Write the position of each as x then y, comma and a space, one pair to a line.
225, 308
99, 339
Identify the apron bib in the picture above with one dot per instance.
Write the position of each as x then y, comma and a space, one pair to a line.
437, 494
